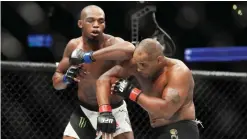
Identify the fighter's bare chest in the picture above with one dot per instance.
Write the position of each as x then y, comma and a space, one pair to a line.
96, 68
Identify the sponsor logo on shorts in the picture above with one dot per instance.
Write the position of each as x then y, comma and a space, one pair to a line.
174, 134
83, 122
122, 110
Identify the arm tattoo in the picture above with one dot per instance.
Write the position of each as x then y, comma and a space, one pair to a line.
173, 95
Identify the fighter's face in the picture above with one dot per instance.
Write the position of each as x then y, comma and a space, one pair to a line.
93, 24
145, 66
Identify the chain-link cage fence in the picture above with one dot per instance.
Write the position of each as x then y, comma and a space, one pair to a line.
31, 108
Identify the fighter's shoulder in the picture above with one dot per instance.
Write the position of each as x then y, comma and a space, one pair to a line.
74, 42
110, 40
71, 45
180, 71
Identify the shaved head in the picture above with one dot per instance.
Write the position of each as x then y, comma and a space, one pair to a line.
149, 57
151, 47
92, 23
88, 10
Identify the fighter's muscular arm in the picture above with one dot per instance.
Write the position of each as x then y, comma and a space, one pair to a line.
57, 78
174, 95
102, 93
118, 50
107, 79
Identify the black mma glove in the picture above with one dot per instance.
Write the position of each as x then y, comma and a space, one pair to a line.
78, 56
70, 74
126, 89
106, 122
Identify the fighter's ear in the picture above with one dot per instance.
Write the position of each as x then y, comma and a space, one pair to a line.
160, 58
80, 24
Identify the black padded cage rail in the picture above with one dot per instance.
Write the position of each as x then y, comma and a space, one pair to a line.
33, 109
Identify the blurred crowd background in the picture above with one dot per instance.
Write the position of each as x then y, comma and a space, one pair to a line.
39, 31
208, 35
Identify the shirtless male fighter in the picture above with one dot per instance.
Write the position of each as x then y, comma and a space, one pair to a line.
165, 92
95, 61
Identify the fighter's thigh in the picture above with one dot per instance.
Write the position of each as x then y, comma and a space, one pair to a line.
126, 135
67, 137
124, 129
79, 126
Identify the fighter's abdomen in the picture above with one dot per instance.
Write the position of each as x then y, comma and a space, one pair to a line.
87, 92
185, 113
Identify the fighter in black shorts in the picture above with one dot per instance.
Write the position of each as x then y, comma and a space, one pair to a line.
166, 90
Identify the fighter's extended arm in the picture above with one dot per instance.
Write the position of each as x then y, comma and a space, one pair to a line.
174, 95
118, 50
58, 80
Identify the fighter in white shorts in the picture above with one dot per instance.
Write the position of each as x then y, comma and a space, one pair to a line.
83, 121
85, 59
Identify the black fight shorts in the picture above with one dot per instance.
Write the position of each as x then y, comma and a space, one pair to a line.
186, 129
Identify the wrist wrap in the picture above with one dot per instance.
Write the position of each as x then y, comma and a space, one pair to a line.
105, 108
134, 94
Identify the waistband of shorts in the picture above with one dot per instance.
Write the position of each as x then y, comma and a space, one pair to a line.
174, 125
96, 107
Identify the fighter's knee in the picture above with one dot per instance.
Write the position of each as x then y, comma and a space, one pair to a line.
68, 137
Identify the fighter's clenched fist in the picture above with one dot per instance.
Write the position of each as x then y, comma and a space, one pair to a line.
106, 122
70, 75
78, 56
126, 89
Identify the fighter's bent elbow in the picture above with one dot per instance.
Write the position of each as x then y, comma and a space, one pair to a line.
103, 83
110, 77
106, 79
130, 47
